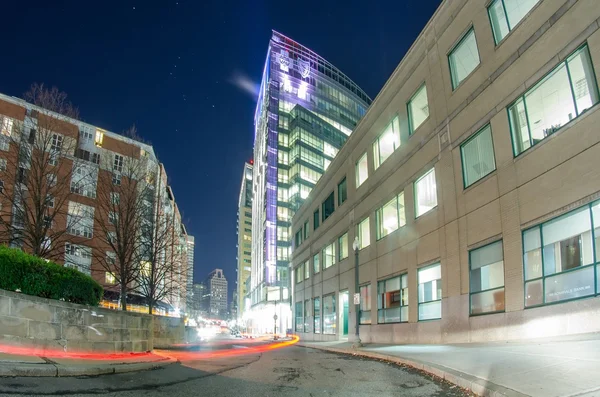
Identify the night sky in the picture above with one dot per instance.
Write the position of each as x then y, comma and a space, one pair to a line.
183, 72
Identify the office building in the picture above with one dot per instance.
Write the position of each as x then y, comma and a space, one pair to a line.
244, 242
471, 187
306, 109
216, 286
190, 272
81, 173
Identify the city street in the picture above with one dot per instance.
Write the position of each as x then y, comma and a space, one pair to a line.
290, 371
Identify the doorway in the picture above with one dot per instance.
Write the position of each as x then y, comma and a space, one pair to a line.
344, 314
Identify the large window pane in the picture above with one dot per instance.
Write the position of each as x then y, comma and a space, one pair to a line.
391, 216
464, 58
392, 301
329, 318
316, 265
306, 270
342, 192
506, 14
550, 104
365, 304
487, 278
386, 143
329, 256
328, 207
364, 234
317, 315
570, 285
532, 253
362, 170
300, 274
418, 109
299, 317
425, 193
307, 316
343, 246
430, 292
478, 156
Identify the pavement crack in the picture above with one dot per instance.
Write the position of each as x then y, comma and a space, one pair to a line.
46, 359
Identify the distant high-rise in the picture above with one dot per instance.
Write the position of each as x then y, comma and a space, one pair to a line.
217, 294
190, 271
244, 241
306, 110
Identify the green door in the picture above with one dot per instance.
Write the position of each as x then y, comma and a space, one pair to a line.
345, 301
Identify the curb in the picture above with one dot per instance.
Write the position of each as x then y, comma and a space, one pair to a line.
479, 386
57, 370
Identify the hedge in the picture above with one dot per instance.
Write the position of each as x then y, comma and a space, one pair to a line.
35, 276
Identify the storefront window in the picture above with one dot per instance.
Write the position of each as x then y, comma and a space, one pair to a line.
487, 279
430, 292
317, 315
365, 304
299, 317
329, 319
392, 302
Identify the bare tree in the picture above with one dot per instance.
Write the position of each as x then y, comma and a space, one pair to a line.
122, 214
38, 173
163, 274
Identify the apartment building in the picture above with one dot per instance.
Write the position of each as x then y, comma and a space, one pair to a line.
79, 175
244, 243
471, 187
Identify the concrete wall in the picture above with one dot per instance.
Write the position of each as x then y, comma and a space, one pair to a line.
559, 174
168, 331
48, 324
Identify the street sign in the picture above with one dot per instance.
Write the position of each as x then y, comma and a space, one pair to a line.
357, 299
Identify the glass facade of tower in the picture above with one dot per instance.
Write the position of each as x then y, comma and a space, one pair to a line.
305, 112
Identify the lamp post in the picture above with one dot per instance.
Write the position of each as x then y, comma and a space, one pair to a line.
357, 342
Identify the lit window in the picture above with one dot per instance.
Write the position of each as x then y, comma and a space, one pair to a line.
283, 157
565, 93
306, 270
487, 279
418, 109
463, 58
430, 292
364, 234
365, 304
316, 265
110, 278
506, 14
392, 305
386, 143
477, 155
329, 150
343, 246
425, 193
99, 138
362, 170
329, 256
391, 216
6, 126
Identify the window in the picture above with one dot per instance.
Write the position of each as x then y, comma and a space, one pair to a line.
316, 265
115, 198
6, 126
85, 134
299, 317
343, 246
364, 234
387, 142
118, 164
49, 201
32, 134
362, 170
391, 216
113, 217
307, 317
559, 257
365, 304
565, 93
1, 188
283, 214
328, 256
80, 219
342, 192
99, 138
283, 157
297, 237
317, 315
392, 302
57, 142
506, 14
306, 270
4, 143
315, 219
486, 266
463, 58
418, 109
2, 164
477, 155
116, 179
425, 193
328, 207
78, 257
111, 258
329, 319
51, 179
111, 237
87, 156
84, 178
430, 292
305, 230
109, 278
299, 274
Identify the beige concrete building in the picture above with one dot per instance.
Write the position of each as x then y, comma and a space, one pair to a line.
471, 184
244, 243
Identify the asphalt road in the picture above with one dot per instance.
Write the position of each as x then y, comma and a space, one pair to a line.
291, 371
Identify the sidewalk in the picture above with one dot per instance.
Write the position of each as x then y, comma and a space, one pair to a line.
78, 365
558, 367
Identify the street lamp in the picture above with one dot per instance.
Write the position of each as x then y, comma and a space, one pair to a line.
356, 245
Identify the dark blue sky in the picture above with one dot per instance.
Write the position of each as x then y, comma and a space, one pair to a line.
168, 67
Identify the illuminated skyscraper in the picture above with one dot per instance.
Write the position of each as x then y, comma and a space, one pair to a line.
244, 241
306, 110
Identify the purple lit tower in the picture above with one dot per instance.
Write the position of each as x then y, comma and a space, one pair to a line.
306, 110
